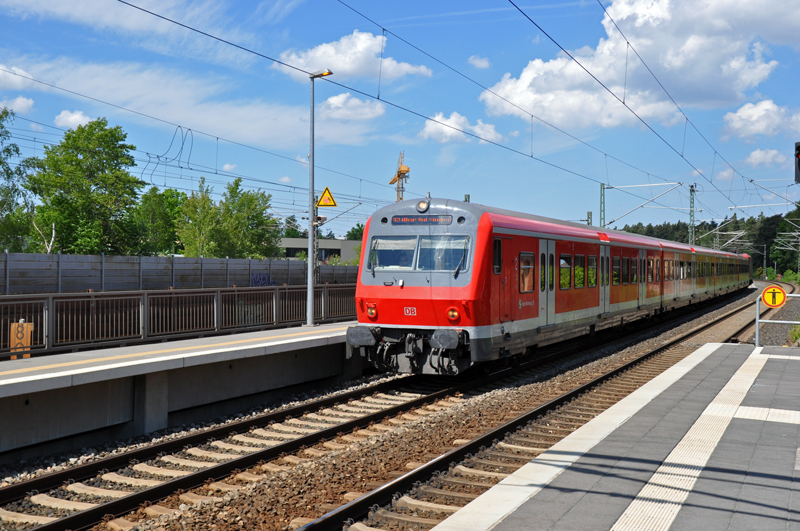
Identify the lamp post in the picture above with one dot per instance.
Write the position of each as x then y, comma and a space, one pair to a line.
311, 204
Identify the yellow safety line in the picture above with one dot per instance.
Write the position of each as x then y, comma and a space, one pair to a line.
164, 351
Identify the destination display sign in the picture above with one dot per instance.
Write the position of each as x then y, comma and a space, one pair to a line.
422, 220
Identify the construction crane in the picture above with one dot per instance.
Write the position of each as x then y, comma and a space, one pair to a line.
400, 177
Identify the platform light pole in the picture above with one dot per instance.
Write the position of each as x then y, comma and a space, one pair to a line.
312, 232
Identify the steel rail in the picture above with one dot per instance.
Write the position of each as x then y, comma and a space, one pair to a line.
383, 495
19, 490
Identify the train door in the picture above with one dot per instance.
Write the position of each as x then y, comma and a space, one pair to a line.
642, 276
502, 264
547, 282
605, 279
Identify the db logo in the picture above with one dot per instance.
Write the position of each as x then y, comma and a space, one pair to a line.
410, 311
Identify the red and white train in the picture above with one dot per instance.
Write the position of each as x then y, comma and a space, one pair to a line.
445, 285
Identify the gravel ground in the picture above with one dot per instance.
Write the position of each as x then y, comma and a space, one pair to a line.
778, 334
27, 469
305, 491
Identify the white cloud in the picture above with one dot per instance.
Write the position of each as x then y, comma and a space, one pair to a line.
19, 105
346, 107
198, 103
356, 55
10, 81
708, 54
36, 127
71, 120
766, 157
725, 175
148, 32
479, 62
285, 179
762, 118
274, 11
440, 132
228, 167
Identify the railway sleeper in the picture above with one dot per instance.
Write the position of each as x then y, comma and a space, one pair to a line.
506, 455
427, 490
518, 448
80, 488
457, 481
407, 502
358, 526
493, 464
22, 518
383, 515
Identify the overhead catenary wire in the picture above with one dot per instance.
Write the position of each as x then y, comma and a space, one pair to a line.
642, 120
490, 91
151, 117
371, 96
660, 84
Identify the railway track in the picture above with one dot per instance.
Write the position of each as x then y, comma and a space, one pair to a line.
230, 457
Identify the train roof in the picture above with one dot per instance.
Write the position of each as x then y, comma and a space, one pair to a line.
531, 222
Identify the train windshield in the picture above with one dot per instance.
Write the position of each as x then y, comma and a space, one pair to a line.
443, 253
392, 252
427, 253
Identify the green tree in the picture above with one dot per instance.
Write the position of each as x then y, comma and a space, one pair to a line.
246, 230
156, 218
15, 221
291, 229
356, 233
198, 223
84, 189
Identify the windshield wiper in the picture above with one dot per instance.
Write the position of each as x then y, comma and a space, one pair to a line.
463, 257
372, 257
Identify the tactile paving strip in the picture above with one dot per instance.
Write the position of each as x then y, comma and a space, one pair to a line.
658, 503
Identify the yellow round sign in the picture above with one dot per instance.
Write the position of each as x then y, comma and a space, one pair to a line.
773, 296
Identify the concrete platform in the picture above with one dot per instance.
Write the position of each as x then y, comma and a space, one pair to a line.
713, 443
127, 391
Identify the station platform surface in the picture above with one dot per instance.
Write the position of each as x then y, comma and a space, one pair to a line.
43, 373
713, 443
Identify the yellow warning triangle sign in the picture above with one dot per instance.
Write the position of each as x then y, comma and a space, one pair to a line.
326, 199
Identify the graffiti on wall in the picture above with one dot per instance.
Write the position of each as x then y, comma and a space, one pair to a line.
258, 280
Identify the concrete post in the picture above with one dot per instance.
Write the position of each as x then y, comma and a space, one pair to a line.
151, 405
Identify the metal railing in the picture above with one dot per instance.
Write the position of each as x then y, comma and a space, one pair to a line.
759, 320
58, 322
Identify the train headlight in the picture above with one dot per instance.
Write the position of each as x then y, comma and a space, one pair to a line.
422, 206
452, 314
372, 310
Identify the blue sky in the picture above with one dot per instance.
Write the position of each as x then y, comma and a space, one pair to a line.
544, 132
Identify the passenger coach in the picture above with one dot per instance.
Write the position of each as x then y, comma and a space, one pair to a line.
444, 285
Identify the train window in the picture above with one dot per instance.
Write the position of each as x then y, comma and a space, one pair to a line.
626, 268
552, 271
542, 270
527, 268
580, 271
634, 270
498, 256
444, 253
591, 272
649, 269
658, 270
615, 276
672, 269
689, 269
565, 271
392, 252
